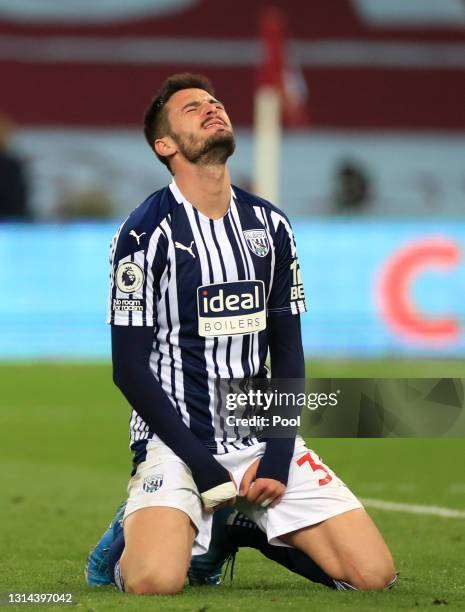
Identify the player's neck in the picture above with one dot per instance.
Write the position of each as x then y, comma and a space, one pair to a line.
207, 188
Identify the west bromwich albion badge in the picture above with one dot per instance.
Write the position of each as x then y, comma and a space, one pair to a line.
257, 241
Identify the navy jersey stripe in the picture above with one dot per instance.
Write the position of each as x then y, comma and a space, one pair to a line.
170, 345
193, 361
247, 221
212, 280
219, 407
246, 341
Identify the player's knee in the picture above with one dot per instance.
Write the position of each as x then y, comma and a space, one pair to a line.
373, 579
154, 585
154, 582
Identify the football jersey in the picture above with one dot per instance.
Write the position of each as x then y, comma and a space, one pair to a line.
207, 288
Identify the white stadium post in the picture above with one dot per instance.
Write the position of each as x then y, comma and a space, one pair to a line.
268, 106
280, 96
267, 143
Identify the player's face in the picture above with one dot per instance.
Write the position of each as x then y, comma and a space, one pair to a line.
200, 127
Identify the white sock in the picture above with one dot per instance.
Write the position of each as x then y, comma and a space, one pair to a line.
118, 578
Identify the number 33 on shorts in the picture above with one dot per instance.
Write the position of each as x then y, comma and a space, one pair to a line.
315, 466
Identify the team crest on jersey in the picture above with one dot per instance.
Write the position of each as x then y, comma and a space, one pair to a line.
257, 241
152, 483
129, 277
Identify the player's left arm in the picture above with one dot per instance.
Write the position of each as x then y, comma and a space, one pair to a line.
285, 303
270, 474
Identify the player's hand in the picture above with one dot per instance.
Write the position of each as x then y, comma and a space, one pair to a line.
262, 491
219, 497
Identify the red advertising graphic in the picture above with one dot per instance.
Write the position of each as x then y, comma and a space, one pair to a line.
394, 290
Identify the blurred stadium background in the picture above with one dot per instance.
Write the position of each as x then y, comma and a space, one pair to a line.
372, 175
372, 166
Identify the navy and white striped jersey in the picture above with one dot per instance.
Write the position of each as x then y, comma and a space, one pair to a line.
207, 287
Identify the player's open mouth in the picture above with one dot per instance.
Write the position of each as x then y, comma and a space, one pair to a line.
215, 123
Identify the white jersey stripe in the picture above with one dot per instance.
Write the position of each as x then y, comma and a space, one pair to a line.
235, 224
203, 259
137, 317
260, 212
122, 318
290, 234
176, 372
113, 246
254, 358
151, 252
160, 361
215, 275
234, 362
221, 343
240, 248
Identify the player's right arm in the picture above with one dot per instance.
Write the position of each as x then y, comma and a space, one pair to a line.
136, 271
131, 348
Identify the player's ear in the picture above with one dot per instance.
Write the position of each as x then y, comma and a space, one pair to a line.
165, 146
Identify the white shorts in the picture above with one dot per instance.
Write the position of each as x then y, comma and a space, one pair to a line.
313, 494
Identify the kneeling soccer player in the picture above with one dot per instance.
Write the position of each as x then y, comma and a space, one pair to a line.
205, 281
231, 530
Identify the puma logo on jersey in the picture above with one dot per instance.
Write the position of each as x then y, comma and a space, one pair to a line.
183, 247
137, 237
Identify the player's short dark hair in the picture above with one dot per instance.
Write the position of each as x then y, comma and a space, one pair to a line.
156, 123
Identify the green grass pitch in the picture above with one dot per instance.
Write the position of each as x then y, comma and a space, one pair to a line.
65, 465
